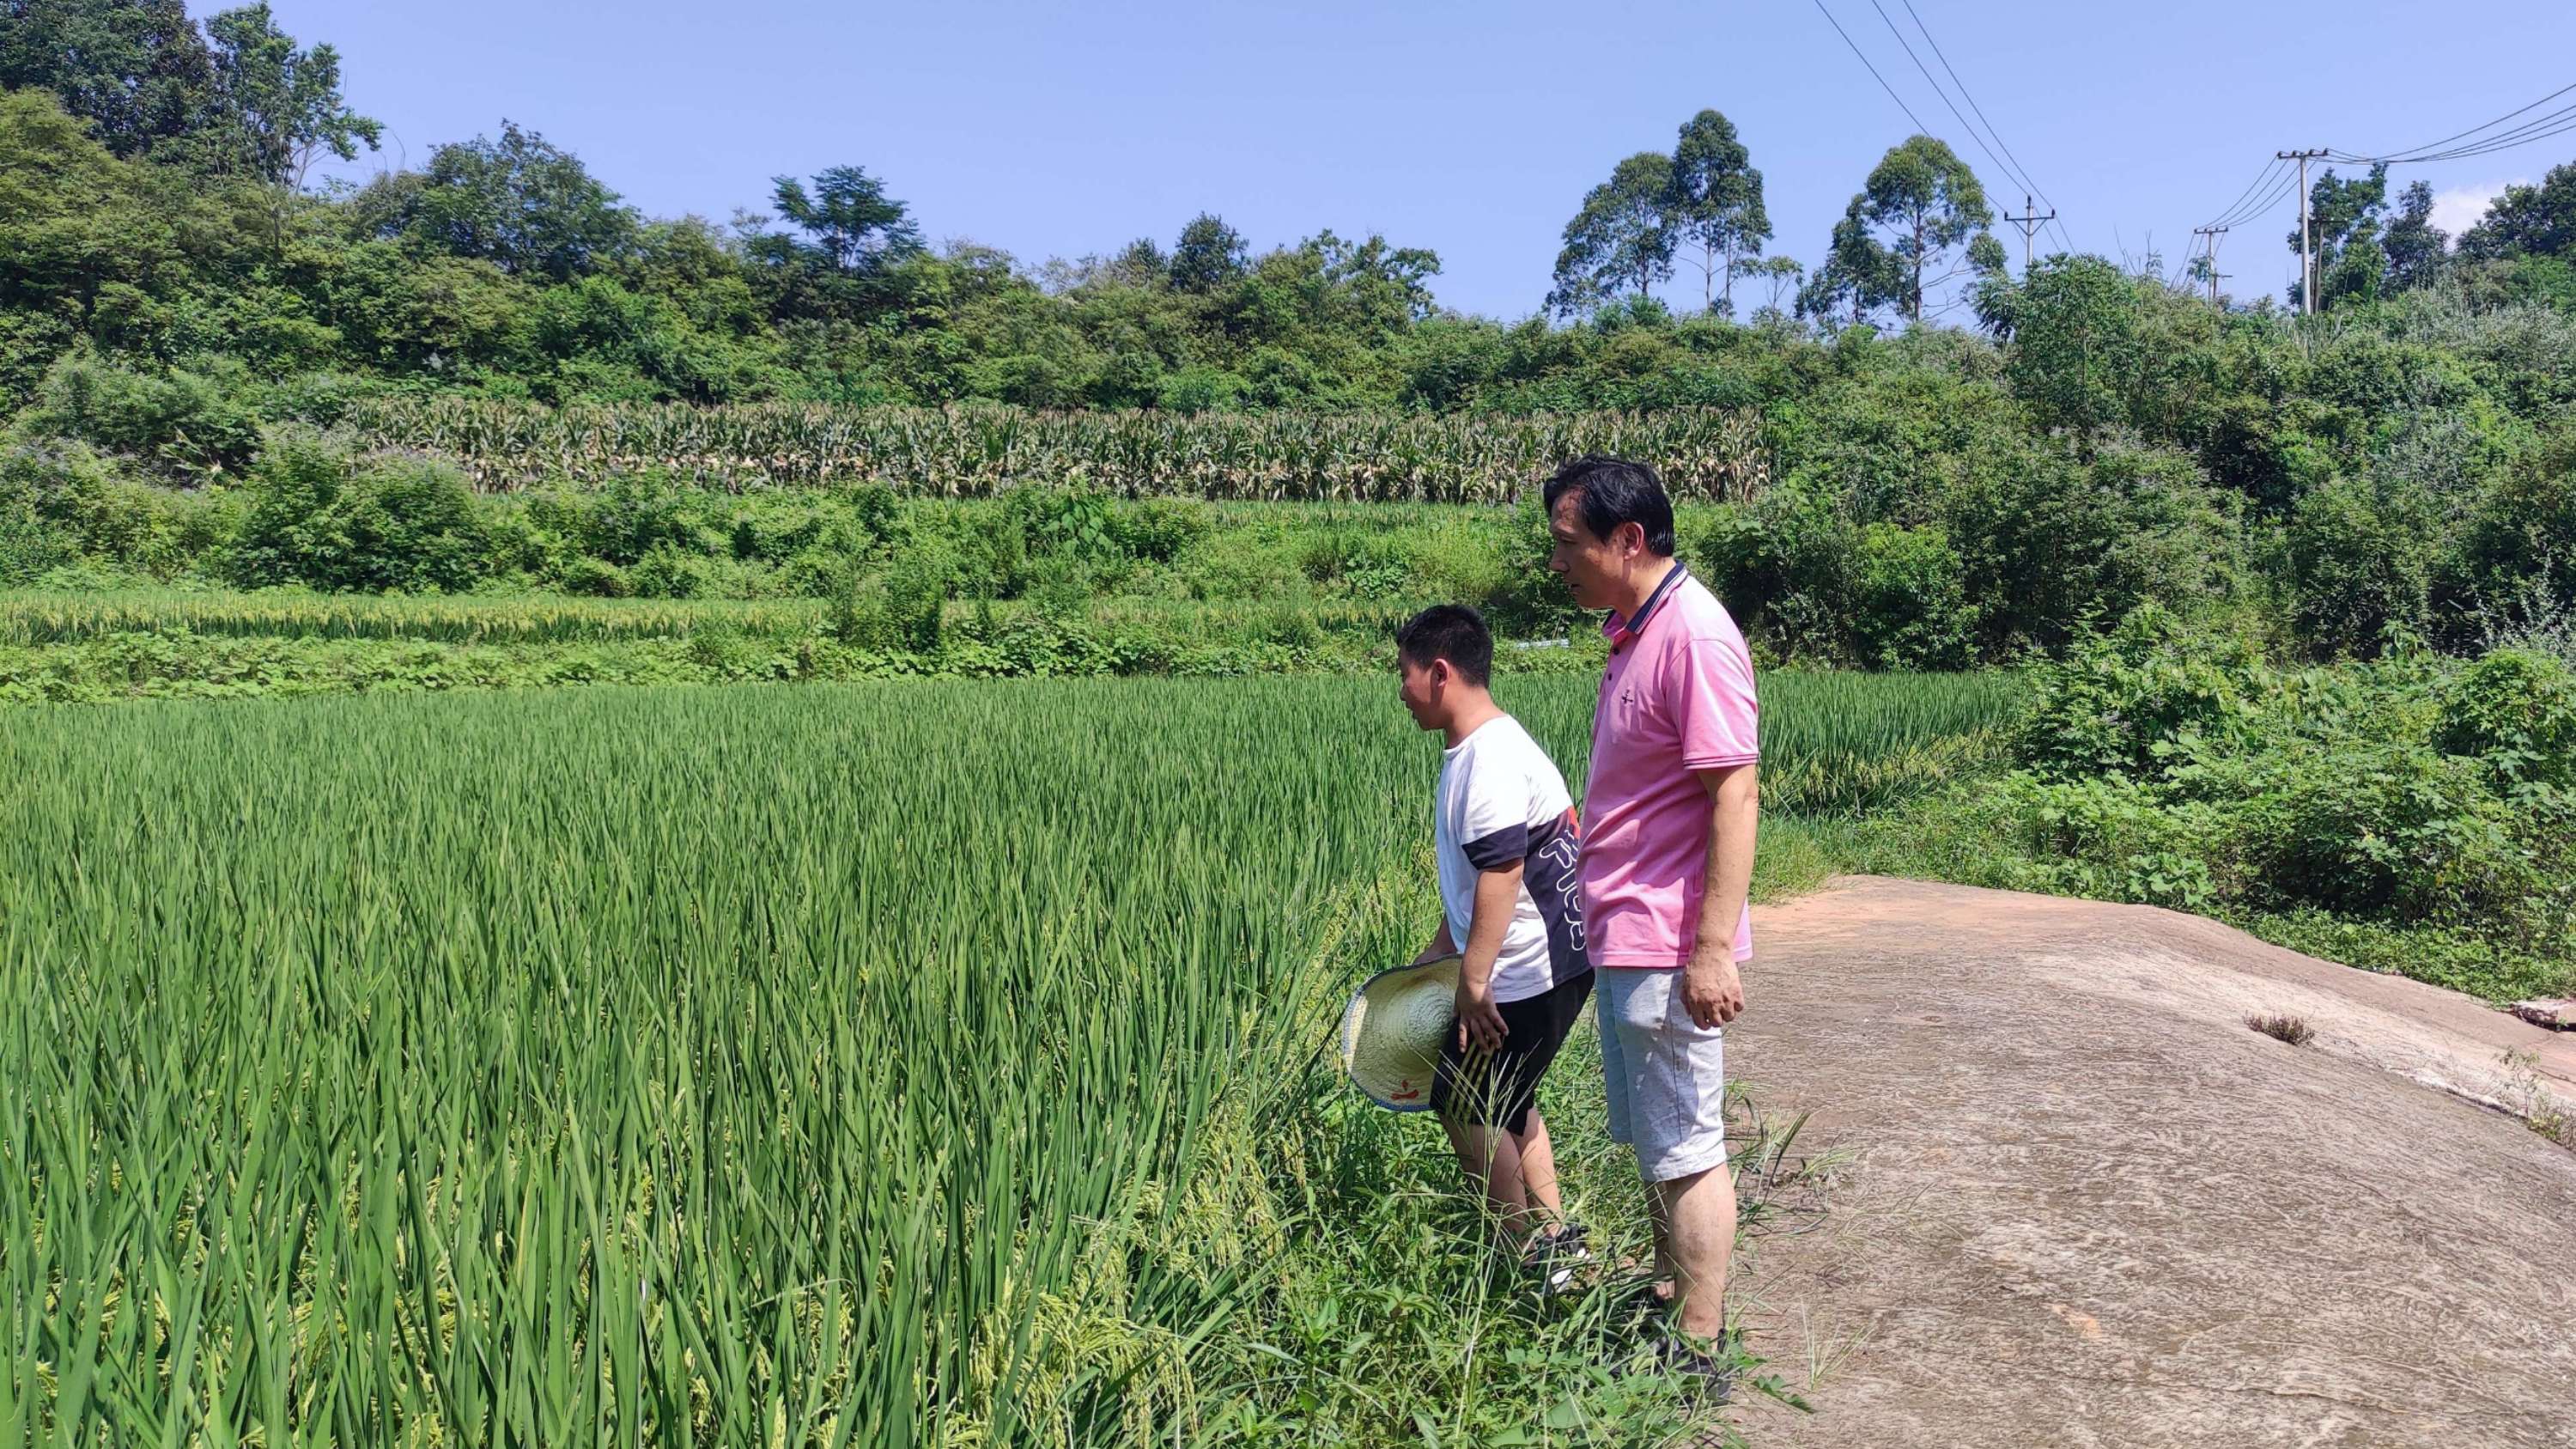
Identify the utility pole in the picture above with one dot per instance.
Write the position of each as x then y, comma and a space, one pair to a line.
2030, 222
2209, 250
2307, 243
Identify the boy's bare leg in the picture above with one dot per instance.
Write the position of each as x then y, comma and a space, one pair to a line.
1493, 1162
1538, 1171
1697, 1232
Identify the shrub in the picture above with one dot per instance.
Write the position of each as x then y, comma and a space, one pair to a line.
1783, 566
1909, 607
667, 571
187, 423
333, 521
66, 502
1158, 529
896, 609
2362, 560
2516, 710
2117, 702
596, 578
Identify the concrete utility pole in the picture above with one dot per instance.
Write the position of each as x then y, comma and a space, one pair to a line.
2030, 222
2307, 242
2209, 249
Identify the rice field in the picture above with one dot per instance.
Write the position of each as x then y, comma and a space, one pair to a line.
874, 1065
981, 448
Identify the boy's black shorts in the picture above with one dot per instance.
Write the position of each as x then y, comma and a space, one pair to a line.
1501, 1094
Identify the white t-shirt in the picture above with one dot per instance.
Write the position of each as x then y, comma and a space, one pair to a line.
1501, 800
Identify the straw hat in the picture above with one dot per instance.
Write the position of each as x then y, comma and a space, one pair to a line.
1393, 1028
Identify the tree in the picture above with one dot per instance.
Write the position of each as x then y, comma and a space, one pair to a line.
1782, 273
1621, 239
280, 107
2343, 219
1208, 255
2416, 248
527, 207
1920, 202
850, 224
137, 70
2076, 350
1856, 270
2528, 220
1716, 204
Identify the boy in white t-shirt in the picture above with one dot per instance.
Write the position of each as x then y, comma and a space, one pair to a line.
1504, 830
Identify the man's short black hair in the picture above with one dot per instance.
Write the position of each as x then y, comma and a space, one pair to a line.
1615, 491
1453, 632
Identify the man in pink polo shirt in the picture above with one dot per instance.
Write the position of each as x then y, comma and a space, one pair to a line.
1667, 861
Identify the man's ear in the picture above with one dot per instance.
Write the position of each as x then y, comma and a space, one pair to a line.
1438, 672
1628, 538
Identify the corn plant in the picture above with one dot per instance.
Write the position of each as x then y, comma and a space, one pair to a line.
982, 448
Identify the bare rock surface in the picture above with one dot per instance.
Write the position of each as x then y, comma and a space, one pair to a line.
2074, 1200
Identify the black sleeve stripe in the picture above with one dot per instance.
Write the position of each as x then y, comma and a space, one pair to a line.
1504, 848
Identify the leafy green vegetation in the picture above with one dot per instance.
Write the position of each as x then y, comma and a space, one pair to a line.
175, 309
587, 1064
2410, 814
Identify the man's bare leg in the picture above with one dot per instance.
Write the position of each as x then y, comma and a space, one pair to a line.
1696, 1231
1661, 1219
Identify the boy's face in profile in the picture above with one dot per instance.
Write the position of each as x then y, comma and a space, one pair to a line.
1421, 686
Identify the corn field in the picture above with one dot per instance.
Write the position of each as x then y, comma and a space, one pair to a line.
979, 449
877, 1065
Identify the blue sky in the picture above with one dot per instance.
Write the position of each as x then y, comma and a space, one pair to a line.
1472, 129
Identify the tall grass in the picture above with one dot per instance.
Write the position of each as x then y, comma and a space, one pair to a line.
973, 449
876, 1065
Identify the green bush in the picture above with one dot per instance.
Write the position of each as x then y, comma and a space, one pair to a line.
1158, 529
2362, 560
895, 610
188, 423
1909, 605
324, 518
596, 578
667, 571
2516, 710
2166, 765
92, 511
2117, 703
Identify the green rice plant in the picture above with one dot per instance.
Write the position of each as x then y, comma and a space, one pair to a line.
983, 448
876, 1065
63, 618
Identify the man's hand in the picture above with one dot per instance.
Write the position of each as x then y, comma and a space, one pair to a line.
1480, 1022
1712, 989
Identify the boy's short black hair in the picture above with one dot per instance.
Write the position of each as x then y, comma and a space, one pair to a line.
1616, 491
1453, 632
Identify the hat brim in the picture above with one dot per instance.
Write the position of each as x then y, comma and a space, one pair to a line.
1393, 1073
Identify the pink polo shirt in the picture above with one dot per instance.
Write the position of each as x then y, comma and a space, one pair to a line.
1677, 697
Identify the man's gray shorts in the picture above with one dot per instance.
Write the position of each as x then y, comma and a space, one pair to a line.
1665, 1075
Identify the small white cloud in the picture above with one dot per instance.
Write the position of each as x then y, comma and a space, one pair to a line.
2462, 207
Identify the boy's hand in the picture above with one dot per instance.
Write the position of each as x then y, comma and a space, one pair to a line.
1480, 1022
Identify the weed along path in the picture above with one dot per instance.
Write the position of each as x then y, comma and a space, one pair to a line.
2079, 1202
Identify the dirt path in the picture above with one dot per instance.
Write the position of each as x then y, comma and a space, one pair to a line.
2085, 1205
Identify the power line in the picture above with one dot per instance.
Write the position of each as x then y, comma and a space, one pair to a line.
2018, 171
1903, 45
2408, 156
2231, 215
2555, 123
1919, 127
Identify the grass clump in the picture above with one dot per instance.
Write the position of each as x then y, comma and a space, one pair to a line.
2288, 1030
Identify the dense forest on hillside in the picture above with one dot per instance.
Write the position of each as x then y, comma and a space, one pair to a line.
1942, 460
